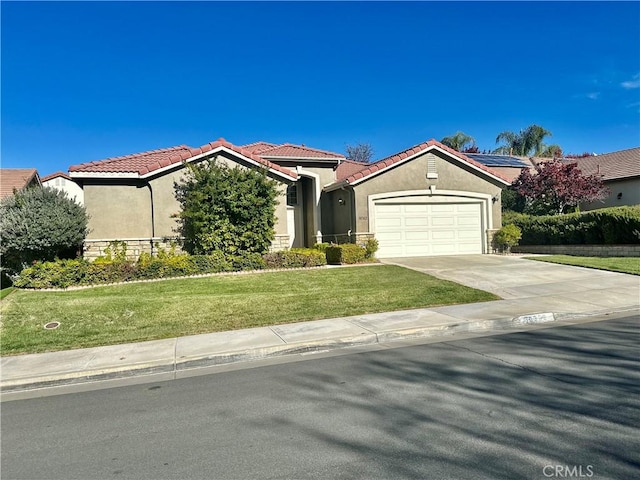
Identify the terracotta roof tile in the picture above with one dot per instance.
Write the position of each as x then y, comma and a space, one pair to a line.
16, 178
393, 159
612, 166
51, 176
347, 168
148, 162
298, 151
257, 147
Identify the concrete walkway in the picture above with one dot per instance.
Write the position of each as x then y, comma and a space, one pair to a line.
532, 292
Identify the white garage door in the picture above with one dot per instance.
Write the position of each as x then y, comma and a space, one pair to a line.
420, 229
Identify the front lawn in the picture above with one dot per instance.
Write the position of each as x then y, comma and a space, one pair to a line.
172, 308
615, 264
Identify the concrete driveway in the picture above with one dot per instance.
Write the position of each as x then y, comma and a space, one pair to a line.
513, 277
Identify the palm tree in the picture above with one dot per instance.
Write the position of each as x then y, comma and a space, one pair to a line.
528, 142
458, 141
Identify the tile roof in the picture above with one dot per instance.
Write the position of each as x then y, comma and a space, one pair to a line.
145, 163
51, 176
290, 150
16, 179
348, 168
257, 147
415, 150
612, 166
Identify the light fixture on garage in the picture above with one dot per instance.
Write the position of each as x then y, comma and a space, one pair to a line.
495, 198
619, 196
341, 201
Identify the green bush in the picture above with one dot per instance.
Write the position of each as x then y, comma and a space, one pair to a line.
507, 237
370, 248
227, 209
295, 258
247, 261
39, 224
615, 225
321, 246
345, 253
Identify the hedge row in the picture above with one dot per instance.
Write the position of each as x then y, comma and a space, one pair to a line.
351, 253
616, 225
67, 273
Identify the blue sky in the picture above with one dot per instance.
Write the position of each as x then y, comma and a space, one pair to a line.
83, 81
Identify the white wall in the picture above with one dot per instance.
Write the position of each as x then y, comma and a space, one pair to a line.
72, 189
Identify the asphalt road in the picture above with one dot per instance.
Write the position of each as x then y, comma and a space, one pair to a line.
561, 402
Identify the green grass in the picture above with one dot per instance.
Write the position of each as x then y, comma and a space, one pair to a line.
6, 291
615, 264
147, 311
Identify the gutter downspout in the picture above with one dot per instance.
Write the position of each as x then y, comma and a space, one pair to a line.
153, 221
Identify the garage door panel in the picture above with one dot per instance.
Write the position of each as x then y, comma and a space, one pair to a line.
416, 208
389, 223
411, 236
422, 221
428, 229
443, 235
442, 221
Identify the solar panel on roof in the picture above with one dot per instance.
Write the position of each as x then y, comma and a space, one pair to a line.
490, 160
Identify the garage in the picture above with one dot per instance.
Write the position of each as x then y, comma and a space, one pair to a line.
423, 229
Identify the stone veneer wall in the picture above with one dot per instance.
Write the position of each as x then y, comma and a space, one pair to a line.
135, 246
280, 242
581, 250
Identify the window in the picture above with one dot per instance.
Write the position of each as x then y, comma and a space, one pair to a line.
292, 195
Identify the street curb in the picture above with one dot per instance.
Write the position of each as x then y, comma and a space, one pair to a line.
226, 358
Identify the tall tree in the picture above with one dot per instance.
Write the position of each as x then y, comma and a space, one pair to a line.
459, 141
527, 142
362, 152
557, 187
40, 223
227, 209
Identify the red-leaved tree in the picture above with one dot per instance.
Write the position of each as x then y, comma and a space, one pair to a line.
557, 187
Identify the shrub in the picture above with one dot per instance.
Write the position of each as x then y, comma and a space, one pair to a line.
345, 253
57, 274
615, 225
370, 248
215, 262
295, 258
507, 237
321, 246
226, 209
40, 224
247, 261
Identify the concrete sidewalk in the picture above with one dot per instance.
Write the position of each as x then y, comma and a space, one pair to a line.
533, 292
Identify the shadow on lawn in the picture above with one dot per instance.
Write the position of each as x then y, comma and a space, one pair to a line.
570, 397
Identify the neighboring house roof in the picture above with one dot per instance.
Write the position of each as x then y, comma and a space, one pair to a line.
611, 166
348, 168
16, 179
492, 160
51, 176
145, 164
289, 150
384, 164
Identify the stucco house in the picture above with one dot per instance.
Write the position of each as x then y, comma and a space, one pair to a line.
426, 200
620, 172
62, 181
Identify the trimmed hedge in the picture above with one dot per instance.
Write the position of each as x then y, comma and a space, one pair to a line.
295, 258
606, 226
112, 269
345, 253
